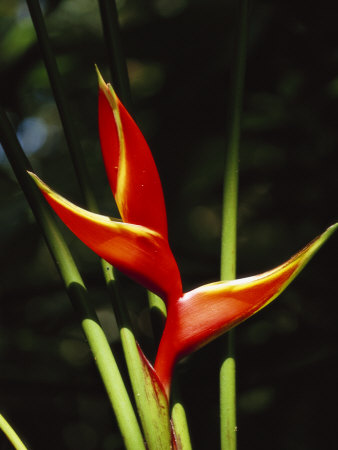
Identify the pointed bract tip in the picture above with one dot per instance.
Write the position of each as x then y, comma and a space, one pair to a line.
155, 380
332, 228
320, 240
107, 89
102, 84
40, 184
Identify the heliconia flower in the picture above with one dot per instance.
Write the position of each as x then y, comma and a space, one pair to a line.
138, 245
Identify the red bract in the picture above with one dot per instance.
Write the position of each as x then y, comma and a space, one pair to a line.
130, 167
139, 247
202, 314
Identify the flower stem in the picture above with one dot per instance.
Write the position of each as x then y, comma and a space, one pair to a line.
11, 434
76, 290
65, 115
117, 62
179, 420
229, 227
158, 314
152, 403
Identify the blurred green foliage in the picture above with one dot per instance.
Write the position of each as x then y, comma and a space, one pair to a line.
178, 54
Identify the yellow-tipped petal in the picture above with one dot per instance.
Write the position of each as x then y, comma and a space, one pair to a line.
204, 313
137, 251
130, 167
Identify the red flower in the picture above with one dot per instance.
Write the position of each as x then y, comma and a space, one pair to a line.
138, 245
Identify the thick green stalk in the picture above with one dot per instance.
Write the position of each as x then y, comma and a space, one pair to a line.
11, 434
76, 290
65, 115
179, 420
179, 417
151, 402
229, 227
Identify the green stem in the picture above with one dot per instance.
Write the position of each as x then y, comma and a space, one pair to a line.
158, 314
76, 290
66, 117
11, 434
179, 419
227, 380
117, 62
229, 227
153, 409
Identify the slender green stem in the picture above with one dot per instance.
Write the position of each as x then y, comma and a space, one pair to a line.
117, 62
72, 138
228, 398
158, 314
228, 256
11, 434
229, 228
179, 419
76, 290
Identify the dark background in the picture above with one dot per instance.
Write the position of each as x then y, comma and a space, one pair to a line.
179, 55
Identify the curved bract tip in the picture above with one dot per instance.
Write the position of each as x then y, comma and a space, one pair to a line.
202, 314
137, 251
